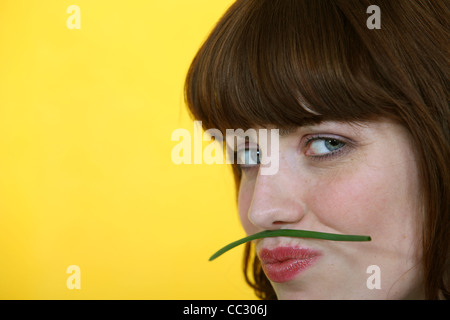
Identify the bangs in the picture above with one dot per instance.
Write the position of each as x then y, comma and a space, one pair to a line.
283, 64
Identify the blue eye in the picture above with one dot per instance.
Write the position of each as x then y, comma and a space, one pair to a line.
323, 146
248, 158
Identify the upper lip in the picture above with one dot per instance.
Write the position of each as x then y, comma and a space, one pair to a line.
284, 253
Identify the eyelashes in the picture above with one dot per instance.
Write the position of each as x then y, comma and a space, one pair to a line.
323, 147
319, 147
248, 158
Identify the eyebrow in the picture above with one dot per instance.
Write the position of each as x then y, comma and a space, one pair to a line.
286, 131
282, 132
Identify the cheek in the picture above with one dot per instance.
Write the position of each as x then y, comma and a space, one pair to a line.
373, 200
344, 204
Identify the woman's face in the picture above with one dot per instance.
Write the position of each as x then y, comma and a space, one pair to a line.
339, 178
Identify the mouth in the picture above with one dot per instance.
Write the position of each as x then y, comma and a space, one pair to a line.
283, 264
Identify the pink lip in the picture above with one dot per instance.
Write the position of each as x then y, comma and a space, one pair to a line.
283, 264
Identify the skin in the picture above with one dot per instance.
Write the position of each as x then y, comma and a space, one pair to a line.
367, 185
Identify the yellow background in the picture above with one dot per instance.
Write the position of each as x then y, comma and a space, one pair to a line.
86, 176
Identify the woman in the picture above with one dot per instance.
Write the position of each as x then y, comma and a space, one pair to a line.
364, 144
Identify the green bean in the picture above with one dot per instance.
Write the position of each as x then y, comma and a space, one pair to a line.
291, 233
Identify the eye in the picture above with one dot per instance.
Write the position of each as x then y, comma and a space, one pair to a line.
323, 146
248, 158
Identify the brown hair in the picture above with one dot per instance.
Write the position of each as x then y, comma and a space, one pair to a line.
291, 62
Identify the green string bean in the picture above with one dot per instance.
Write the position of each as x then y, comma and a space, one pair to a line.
291, 233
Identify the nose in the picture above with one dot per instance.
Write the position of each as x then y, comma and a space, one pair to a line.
277, 201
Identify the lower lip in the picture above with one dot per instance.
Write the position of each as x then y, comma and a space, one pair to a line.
283, 264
